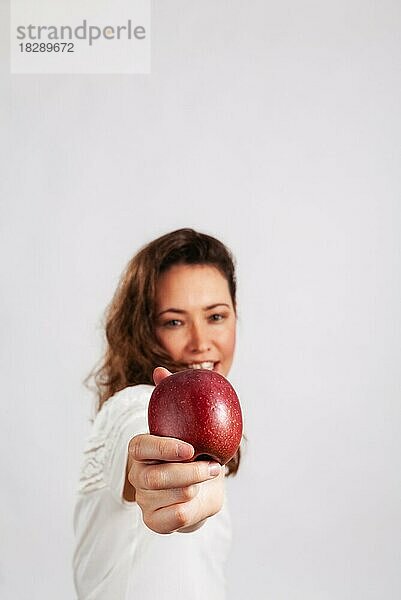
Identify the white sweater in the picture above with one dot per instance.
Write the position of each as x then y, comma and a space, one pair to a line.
116, 556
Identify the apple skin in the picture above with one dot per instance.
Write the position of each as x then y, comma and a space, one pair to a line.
200, 407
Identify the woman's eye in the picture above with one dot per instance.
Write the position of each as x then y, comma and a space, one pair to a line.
172, 323
217, 317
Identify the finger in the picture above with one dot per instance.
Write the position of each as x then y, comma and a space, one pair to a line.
145, 447
160, 499
159, 374
178, 516
172, 518
170, 476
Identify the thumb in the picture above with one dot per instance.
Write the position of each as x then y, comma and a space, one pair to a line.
159, 374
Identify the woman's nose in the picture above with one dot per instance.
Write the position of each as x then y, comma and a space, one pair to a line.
198, 340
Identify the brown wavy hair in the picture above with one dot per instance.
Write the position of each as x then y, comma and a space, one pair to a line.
132, 350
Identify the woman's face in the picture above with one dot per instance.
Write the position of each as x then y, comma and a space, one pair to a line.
195, 318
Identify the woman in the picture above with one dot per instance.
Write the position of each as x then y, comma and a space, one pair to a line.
175, 306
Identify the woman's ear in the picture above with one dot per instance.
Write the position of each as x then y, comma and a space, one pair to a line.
159, 374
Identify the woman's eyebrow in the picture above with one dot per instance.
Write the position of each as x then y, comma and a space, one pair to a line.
179, 311
174, 310
214, 305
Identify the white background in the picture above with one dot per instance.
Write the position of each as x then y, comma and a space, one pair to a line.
276, 128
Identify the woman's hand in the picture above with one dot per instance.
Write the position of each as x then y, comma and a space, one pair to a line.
173, 495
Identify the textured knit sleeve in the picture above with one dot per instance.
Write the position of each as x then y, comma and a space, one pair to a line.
105, 455
105, 523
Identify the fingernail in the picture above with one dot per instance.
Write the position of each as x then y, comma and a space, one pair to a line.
214, 469
185, 451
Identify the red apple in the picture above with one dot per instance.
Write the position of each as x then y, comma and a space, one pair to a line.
200, 407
